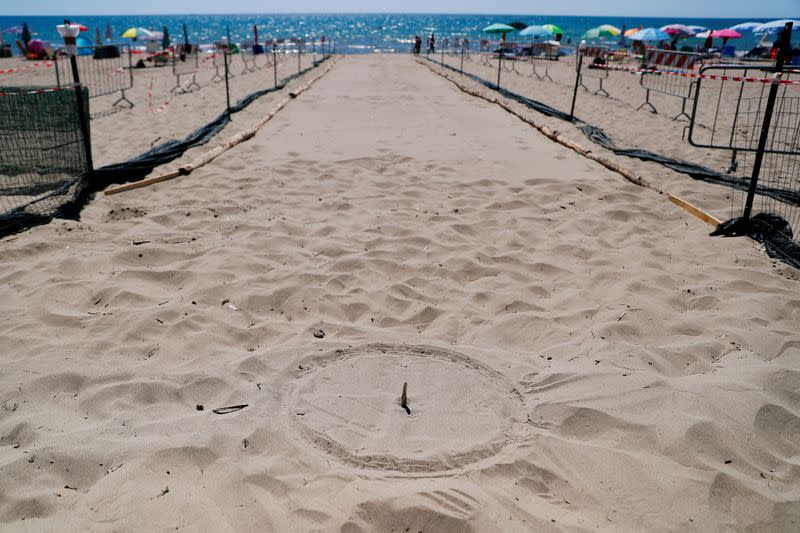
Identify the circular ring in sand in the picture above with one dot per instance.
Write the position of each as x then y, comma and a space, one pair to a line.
348, 404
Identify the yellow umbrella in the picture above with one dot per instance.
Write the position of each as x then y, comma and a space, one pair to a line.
631, 31
136, 33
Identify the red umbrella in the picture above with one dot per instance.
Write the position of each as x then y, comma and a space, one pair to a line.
79, 25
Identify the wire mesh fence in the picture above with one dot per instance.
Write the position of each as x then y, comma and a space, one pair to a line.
102, 69
43, 151
759, 124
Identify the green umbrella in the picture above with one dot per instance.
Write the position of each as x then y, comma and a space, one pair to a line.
600, 32
499, 28
552, 28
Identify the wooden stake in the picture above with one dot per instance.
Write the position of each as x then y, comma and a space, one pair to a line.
696, 211
404, 398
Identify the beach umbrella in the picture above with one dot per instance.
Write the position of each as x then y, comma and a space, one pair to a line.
98, 37
552, 28
650, 34
776, 26
517, 25
185, 37
80, 26
697, 29
109, 32
165, 39
154, 36
746, 26
631, 31
678, 30
726, 34
612, 29
136, 33
535, 32
13, 29
599, 33
498, 28
255, 33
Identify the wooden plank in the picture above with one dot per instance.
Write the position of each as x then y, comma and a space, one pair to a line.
696, 211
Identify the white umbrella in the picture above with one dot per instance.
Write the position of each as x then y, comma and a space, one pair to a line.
746, 26
776, 26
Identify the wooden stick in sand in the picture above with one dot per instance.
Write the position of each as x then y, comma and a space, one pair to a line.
696, 211
209, 156
404, 398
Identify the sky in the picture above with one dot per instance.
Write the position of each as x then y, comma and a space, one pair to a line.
640, 8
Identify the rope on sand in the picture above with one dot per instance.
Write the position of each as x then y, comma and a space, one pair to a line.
564, 141
209, 156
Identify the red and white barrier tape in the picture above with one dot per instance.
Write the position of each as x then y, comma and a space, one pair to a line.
45, 64
694, 75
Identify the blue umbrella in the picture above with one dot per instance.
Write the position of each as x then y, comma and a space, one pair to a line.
536, 32
650, 34
745, 26
697, 29
776, 26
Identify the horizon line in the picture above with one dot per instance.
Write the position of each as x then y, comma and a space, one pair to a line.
442, 13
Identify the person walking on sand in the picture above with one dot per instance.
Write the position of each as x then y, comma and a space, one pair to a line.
432, 44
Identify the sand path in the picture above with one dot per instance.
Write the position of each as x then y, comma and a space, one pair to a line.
579, 353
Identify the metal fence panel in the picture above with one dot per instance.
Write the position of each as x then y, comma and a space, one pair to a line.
595, 66
729, 107
103, 70
669, 78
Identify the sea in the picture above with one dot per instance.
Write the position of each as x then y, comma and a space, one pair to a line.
353, 33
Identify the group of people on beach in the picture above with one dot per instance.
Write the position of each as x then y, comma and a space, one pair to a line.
431, 44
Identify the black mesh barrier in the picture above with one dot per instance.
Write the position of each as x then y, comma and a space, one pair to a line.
783, 186
42, 151
53, 133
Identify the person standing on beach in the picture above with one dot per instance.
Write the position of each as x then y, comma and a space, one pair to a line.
432, 44
417, 44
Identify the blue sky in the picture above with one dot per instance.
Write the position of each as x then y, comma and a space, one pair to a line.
657, 8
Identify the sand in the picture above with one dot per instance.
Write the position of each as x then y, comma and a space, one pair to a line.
579, 354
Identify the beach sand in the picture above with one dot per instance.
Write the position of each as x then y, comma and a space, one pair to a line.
579, 354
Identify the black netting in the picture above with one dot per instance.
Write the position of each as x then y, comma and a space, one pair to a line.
43, 168
41, 150
778, 186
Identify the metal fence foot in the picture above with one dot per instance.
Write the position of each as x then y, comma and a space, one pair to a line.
122, 99
648, 104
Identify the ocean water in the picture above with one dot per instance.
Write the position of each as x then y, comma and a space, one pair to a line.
354, 33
